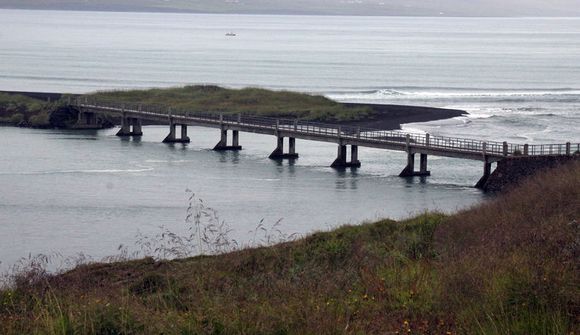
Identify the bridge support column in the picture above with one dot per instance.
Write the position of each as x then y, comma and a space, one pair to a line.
409, 170
125, 127
172, 138
278, 153
137, 127
222, 145
486, 173
130, 126
87, 120
341, 160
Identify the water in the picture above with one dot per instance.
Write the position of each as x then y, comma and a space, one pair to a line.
504, 71
89, 192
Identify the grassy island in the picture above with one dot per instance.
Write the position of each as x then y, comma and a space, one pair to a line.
34, 109
249, 101
508, 266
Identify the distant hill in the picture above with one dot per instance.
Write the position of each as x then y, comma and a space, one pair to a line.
318, 7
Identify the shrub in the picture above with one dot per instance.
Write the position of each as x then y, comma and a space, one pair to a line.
17, 118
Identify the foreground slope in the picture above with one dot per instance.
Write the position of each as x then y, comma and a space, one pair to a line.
509, 266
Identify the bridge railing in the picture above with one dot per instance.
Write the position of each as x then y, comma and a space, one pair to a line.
334, 130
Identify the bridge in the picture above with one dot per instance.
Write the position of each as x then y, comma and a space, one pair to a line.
91, 112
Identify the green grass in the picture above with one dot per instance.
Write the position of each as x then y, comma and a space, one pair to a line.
509, 266
249, 101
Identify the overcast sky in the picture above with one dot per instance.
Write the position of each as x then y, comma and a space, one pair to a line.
342, 7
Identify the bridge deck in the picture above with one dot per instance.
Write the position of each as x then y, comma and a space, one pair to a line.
488, 151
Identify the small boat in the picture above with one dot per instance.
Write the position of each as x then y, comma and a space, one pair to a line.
231, 34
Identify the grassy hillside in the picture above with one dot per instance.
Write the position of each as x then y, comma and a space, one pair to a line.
254, 101
509, 266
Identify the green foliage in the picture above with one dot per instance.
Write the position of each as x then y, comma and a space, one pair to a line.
16, 109
40, 120
251, 101
17, 118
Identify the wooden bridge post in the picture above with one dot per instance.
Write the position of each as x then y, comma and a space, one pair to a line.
427, 139
505, 148
526, 149
568, 151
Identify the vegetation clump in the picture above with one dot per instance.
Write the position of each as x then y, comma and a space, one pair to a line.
248, 101
20, 110
508, 266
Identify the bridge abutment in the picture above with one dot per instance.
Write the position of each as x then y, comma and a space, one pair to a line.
341, 160
409, 170
222, 145
172, 137
278, 153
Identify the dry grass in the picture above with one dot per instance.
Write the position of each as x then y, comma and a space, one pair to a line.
509, 266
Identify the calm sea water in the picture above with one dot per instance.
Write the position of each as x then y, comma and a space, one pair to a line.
73, 192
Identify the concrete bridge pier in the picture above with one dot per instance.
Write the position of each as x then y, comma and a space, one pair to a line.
278, 153
486, 173
87, 120
222, 145
172, 138
341, 160
130, 127
409, 170
137, 127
